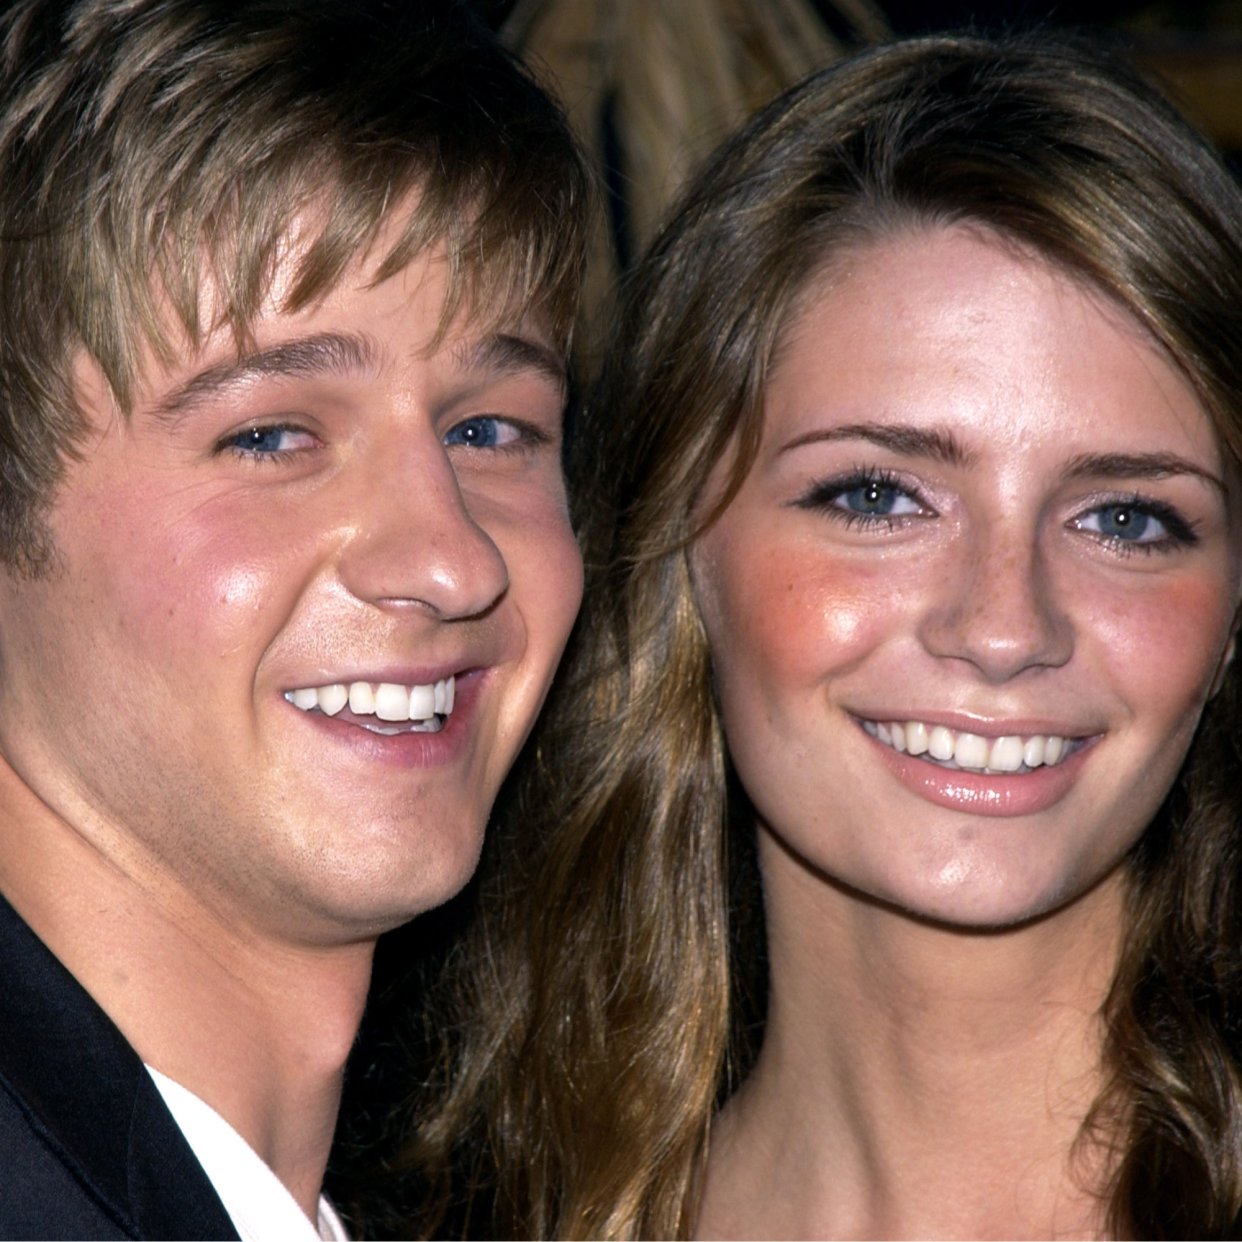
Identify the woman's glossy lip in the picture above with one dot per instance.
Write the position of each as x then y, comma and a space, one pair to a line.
410, 749
977, 793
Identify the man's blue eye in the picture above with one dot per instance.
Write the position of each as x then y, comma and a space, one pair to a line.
477, 433
263, 441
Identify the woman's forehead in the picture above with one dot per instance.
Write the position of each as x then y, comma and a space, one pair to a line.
957, 327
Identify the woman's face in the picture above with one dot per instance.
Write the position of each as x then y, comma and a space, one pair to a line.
988, 523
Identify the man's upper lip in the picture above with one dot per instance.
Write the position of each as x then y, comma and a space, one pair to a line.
983, 726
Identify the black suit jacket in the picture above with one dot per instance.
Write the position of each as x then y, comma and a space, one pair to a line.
88, 1148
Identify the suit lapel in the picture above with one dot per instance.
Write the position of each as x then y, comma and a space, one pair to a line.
86, 1091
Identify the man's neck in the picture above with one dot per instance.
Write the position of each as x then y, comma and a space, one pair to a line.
917, 1082
256, 1027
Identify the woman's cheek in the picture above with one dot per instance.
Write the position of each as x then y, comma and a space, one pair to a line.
1186, 619
783, 615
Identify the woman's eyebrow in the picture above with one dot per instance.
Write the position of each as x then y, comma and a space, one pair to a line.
322, 354
942, 445
1138, 466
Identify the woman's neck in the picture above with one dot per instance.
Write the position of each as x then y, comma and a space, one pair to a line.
916, 1081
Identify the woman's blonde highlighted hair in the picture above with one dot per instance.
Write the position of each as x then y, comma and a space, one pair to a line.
600, 1007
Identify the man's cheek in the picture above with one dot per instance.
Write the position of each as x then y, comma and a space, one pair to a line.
544, 566
210, 596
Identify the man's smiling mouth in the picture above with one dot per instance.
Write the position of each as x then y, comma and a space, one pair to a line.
382, 707
1009, 755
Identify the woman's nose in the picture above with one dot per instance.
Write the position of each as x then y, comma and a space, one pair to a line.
414, 540
996, 608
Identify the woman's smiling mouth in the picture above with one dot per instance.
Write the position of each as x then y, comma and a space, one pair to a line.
958, 750
982, 774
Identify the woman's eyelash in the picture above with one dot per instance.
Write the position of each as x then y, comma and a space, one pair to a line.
879, 497
1136, 509
872, 496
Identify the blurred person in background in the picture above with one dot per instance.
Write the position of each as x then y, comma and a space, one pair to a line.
652, 87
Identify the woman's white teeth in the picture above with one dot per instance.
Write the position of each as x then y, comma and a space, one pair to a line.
970, 750
940, 743
1006, 754
386, 701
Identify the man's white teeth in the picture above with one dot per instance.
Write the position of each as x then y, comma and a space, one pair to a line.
331, 698
970, 750
422, 702
361, 698
386, 701
393, 702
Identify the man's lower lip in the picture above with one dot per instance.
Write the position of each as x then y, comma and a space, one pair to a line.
979, 794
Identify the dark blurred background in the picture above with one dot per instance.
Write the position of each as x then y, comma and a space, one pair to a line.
1195, 47
652, 86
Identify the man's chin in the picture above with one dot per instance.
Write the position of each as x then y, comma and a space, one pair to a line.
372, 891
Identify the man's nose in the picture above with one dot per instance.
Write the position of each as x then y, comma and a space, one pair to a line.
413, 540
995, 605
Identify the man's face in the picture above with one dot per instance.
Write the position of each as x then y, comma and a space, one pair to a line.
348, 504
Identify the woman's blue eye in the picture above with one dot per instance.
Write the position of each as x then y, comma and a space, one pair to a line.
1126, 522
876, 499
483, 433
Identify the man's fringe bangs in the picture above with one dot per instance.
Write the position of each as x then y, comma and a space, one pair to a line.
495, 276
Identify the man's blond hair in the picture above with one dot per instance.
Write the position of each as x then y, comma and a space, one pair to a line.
150, 148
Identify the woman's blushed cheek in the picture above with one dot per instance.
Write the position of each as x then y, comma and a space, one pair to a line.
800, 611
1186, 620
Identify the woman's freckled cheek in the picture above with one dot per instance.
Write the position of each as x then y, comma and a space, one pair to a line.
794, 613
1171, 620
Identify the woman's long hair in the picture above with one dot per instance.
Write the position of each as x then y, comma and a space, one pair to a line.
598, 1010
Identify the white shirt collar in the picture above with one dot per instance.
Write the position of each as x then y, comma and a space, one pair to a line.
261, 1209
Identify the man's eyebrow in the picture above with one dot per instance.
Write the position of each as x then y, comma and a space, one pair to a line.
943, 446
322, 354
1138, 466
503, 353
